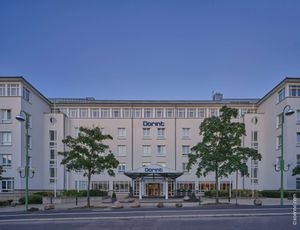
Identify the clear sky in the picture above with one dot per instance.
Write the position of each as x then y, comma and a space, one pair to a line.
142, 49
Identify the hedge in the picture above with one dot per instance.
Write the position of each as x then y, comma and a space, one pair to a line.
72, 193
5, 202
276, 193
240, 193
32, 199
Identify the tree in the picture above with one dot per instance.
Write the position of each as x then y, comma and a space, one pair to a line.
296, 170
1, 171
220, 150
88, 153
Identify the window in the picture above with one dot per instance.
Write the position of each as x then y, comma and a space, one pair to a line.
52, 172
207, 186
100, 185
278, 142
83, 113
297, 183
144, 164
186, 186
161, 133
64, 111
148, 113
73, 113
52, 157
298, 138
122, 150
12, 90
298, 116
5, 116
278, 120
137, 113
2, 90
94, 113
254, 140
126, 113
294, 90
26, 94
202, 113
180, 113
105, 113
146, 132
147, 150
161, 150
170, 113
281, 95
81, 185
52, 135
184, 167
185, 149
121, 186
298, 159
7, 184
121, 133
159, 113
224, 186
186, 134
5, 138
5, 160
213, 112
121, 167
191, 113
116, 113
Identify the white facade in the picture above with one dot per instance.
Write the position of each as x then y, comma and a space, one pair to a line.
144, 133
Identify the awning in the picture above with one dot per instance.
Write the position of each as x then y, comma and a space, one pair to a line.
154, 171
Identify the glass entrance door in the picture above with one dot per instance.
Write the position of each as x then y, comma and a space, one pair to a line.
153, 189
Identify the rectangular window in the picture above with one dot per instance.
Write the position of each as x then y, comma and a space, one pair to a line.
191, 113
298, 159
122, 133
13, 90
83, 113
5, 138
5, 160
180, 113
298, 138
213, 112
202, 113
278, 121
297, 183
278, 142
148, 113
294, 90
281, 95
207, 186
52, 135
161, 150
170, 113
146, 133
186, 149
116, 113
121, 186
2, 90
121, 167
159, 113
254, 140
161, 133
94, 112
121, 150
105, 113
26, 94
184, 167
298, 116
100, 185
7, 184
137, 113
186, 186
81, 185
147, 150
73, 113
5, 116
186, 133
126, 113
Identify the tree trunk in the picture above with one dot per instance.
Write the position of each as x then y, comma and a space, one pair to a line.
243, 182
217, 186
88, 191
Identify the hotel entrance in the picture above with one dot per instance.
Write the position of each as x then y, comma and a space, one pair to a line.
154, 189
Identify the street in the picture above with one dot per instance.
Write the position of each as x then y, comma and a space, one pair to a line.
274, 218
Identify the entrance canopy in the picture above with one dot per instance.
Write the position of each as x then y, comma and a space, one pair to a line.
154, 171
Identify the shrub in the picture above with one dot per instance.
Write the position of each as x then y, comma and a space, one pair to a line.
276, 193
5, 202
212, 193
70, 193
93, 192
32, 199
48, 194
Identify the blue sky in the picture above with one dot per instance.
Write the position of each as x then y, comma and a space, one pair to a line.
150, 49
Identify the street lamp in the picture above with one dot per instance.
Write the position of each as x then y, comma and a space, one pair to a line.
24, 117
281, 168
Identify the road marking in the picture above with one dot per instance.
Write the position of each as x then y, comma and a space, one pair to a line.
143, 217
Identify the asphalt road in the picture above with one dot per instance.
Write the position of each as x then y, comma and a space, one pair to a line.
152, 218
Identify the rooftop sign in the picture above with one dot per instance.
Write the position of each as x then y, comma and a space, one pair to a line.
153, 170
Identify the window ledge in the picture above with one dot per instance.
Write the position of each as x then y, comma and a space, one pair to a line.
160, 155
121, 138
147, 155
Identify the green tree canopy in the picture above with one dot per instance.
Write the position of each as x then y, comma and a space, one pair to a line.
220, 150
89, 154
296, 170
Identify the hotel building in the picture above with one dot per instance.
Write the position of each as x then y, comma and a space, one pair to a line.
151, 140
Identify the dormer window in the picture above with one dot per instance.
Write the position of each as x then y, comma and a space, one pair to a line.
281, 94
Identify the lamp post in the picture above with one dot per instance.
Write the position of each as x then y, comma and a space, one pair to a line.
23, 116
281, 167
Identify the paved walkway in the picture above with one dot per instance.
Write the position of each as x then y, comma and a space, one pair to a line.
153, 203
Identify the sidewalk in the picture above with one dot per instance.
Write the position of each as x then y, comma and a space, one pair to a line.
152, 203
